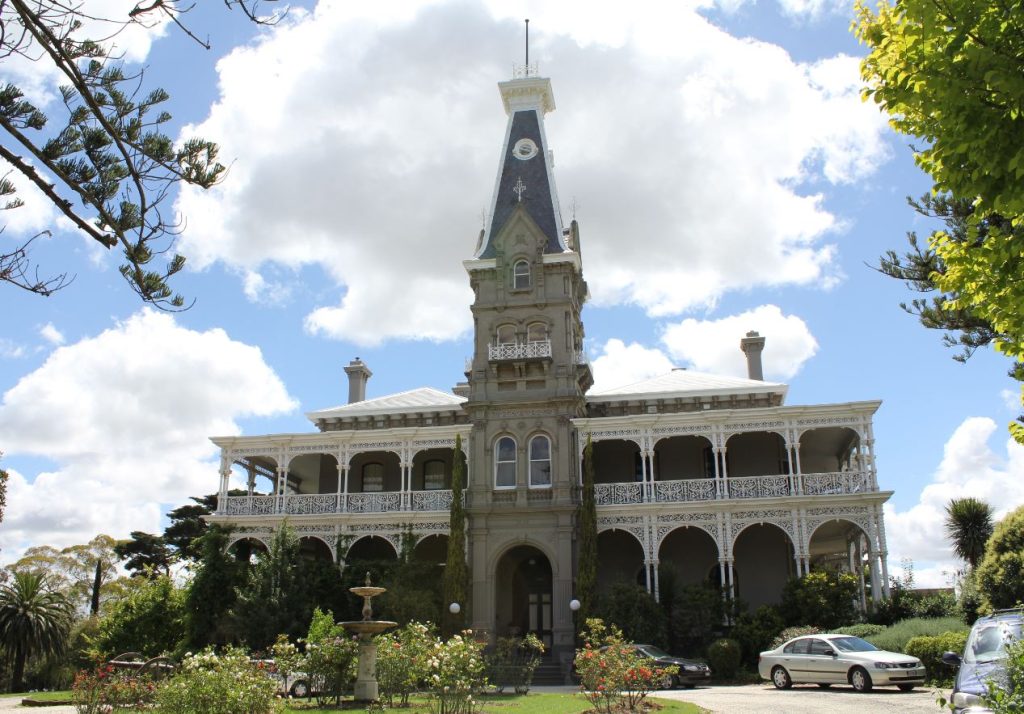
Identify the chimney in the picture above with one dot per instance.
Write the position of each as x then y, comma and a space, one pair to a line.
752, 345
358, 374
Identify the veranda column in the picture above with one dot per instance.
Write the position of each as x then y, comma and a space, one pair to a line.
279, 489
725, 472
338, 502
790, 459
883, 550
872, 467
657, 585
860, 572
799, 469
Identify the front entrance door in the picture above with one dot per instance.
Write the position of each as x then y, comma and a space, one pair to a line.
523, 594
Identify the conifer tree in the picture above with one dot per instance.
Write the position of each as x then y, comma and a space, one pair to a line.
586, 576
456, 572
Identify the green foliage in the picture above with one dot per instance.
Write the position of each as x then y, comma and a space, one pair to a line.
226, 683
971, 599
147, 554
968, 526
149, 620
456, 672
455, 585
895, 637
513, 662
724, 657
1006, 695
403, 662
862, 630
34, 621
613, 676
756, 631
1000, 576
72, 570
694, 612
635, 611
331, 657
105, 689
790, 632
3, 492
929, 649
211, 594
952, 73
414, 586
824, 599
586, 572
187, 526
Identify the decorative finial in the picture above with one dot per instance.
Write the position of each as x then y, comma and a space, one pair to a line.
519, 189
368, 583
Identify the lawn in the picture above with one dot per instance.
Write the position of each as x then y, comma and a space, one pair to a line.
61, 696
527, 704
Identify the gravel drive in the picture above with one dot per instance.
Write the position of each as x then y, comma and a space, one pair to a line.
766, 699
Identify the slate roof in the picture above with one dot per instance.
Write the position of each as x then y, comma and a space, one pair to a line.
424, 399
686, 383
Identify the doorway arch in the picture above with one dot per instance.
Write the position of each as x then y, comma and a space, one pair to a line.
523, 593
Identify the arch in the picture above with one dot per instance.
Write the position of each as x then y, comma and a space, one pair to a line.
505, 461
432, 548
756, 453
829, 541
684, 456
521, 275
245, 547
505, 334
691, 551
763, 559
537, 332
313, 473
438, 462
539, 452
371, 547
524, 588
315, 548
828, 449
620, 558
616, 461
391, 467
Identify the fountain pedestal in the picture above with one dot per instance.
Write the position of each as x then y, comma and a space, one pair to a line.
366, 678
366, 681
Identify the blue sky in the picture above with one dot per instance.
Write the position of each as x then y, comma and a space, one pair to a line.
725, 174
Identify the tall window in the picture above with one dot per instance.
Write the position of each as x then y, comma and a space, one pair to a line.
540, 461
521, 275
433, 476
505, 463
536, 332
373, 478
506, 334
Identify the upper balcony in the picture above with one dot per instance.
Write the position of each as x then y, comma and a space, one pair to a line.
539, 349
333, 503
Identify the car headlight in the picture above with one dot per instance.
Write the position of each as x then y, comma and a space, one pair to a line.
886, 665
691, 668
965, 699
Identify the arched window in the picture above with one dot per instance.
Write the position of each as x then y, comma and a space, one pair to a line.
433, 475
373, 478
536, 332
506, 334
521, 275
540, 461
505, 463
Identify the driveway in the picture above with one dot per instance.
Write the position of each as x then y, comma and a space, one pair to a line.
807, 699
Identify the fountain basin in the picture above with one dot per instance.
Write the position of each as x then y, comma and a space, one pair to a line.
368, 627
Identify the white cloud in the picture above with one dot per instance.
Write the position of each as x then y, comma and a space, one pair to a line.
1011, 398
51, 334
620, 364
969, 467
11, 349
714, 345
381, 143
126, 416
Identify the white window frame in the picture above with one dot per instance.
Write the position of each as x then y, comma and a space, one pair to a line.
507, 339
524, 273
538, 463
537, 332
498, 462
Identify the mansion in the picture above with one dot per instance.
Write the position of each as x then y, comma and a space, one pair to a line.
714, 475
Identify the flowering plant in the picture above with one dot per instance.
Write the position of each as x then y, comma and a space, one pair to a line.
455, 673
514, 661
402, 659
287, 659
225, 683
107, 689
612, 675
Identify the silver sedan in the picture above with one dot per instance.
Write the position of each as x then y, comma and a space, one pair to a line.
838, 659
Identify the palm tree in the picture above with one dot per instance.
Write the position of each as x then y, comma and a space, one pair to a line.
969, 526
34, 620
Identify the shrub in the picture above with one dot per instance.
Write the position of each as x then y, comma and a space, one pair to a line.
228, 683
106, 689
694, 612
929, 650
791, 632
455, 673
331, 666
1000, 575
724, 657
1007, 695
287, 659
402, 662
824, 599
613, 677
514, 661
636, 612
863, 630
756, 631
896, 637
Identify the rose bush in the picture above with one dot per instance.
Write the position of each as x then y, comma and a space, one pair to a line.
455, 673
514, 661
226, 683
402, 662
107, 689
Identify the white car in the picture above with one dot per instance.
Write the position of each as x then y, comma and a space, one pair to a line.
838, 659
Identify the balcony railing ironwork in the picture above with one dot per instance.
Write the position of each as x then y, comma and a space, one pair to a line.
327, 503
520, 350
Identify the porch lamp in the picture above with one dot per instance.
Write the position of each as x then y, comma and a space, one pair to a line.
455, 608
574, 605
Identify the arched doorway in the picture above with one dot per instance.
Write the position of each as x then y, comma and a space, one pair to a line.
763, 562
524, 588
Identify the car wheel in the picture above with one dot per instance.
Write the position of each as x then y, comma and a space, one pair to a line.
824, 685
906, 687
300, 689
667, 682
781, 678
860, 680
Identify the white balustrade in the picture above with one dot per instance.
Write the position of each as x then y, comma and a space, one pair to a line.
826, 484
744, 487
248, 505
432, 500
758, 486
606, 494
693, 489
374, 502
521, 350
307, 503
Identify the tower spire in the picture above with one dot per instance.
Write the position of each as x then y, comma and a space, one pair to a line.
527, 47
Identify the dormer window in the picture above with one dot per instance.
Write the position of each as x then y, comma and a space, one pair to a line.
521, 275
506, 334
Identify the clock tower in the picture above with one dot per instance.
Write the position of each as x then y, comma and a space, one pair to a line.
527, 381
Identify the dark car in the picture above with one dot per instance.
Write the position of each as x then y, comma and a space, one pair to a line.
691, 671
984, 658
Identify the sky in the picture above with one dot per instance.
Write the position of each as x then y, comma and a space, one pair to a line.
725, 173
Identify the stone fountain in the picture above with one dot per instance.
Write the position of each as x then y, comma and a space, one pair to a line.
366, 680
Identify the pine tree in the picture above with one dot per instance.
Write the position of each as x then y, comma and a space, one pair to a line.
456, 572
586, 575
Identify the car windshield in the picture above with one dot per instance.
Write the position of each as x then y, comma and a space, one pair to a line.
988, 642
852, 644
653, 651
